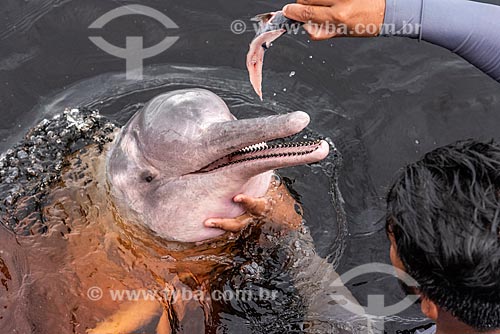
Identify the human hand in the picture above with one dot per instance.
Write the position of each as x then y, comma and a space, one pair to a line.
276, 207
325, 19
256, 209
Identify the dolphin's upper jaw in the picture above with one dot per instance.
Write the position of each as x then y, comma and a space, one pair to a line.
259, 158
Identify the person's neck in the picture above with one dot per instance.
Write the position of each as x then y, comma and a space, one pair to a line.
447, 324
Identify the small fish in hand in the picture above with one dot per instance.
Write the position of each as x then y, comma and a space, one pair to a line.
271, 27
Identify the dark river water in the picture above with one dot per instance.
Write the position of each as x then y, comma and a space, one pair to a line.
384, 102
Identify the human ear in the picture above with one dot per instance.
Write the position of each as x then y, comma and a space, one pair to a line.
429, 309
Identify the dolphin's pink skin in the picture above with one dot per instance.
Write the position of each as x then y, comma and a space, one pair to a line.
271, 27
183, 158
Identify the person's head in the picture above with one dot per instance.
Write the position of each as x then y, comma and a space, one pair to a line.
443, 217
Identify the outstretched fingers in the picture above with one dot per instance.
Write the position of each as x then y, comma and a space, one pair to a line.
258, 207
229, 224
255, 208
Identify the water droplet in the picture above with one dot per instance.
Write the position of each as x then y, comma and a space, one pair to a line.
310, 57
284, 89
417, 142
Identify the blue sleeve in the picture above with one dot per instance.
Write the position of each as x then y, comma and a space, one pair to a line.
469, 29
431, 330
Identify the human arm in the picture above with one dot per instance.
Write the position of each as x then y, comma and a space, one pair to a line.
314, 278
467, 28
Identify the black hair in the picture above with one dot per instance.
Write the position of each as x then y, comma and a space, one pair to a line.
444, 214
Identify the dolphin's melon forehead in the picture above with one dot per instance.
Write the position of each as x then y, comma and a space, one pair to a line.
198, 106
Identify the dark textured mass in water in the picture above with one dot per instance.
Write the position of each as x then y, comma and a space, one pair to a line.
29, 169
54, 196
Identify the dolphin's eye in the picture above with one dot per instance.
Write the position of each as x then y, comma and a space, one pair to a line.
146, 176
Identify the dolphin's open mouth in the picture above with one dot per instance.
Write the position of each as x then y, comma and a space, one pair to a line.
278, 155
250, 147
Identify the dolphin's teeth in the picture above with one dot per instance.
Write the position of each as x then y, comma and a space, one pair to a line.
264, 146
252, 149
248, 153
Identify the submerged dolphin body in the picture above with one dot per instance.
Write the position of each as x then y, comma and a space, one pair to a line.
183, 158
271, 27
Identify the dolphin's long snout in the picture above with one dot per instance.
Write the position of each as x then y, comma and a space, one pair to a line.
240, 145
231, 136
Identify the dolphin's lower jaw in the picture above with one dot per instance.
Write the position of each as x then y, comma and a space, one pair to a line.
259, 158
